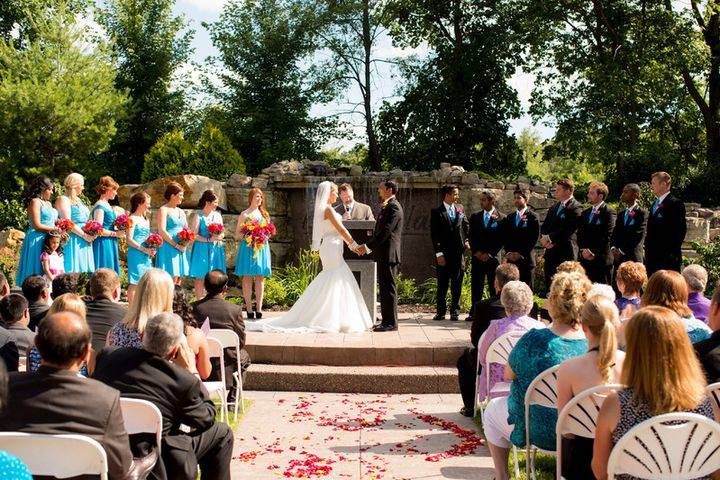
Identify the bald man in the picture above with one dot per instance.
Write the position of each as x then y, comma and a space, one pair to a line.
57, 400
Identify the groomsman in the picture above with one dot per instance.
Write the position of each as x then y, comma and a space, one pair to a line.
666, 227
520, 232
351, 209
626, 243
593, 235
485, 243
559, 229
449, 232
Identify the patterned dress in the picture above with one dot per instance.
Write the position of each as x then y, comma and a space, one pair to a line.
249, 264
536, 351
121, 336
138, 262
169, 258
207, 256
77, 251
105, 249
32, 246
696, 329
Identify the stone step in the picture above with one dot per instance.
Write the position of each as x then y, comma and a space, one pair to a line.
367, 379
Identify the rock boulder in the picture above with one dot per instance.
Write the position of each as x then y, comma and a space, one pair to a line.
194, 186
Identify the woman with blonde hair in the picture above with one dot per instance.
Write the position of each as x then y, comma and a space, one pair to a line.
601, 365
77, 250
105, 247
661, 374
535, 352
154, 295
667, 288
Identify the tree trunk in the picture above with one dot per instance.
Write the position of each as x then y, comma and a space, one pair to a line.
373, 150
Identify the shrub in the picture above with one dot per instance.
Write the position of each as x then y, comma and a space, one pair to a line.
428, 291
708, 257
9, 260
407, 290
12, 214
275, 295
295, 278
169, 156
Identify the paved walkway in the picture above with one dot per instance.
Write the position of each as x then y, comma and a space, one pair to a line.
358, 436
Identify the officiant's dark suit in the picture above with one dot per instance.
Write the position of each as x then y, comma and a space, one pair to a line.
560, 227
594, 232
449, 229
520, 233
666, 228
386, 246
485, 244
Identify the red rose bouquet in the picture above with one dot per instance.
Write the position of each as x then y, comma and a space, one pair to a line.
123, 223
65, 225
92, 228
216, 228
257, 233
185, 236
153, 240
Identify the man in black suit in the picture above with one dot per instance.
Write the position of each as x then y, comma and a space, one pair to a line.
57, 400
9, 352
485, 244
626, 243
386, 242
147, 374
104, 311
666, 227
37, 294
449, 228
225, 315
593, 235
520, 233
559, 229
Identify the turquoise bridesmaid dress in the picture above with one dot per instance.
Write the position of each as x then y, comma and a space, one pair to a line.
105, 249
30, 263
168, 258
246, 264
207, 256
137, 261
78, 253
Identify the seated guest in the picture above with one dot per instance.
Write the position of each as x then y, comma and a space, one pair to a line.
38, 296
696, 278
601, 365
602, 290
661, 374
4, 286
223, 315
56, 400
9, 351
65, 283
570, 266
630, 278
16, 317
667, 288
11, 467
103, 309
154, 295
708, 351
148, 374
196, 344
536, 351
517, 298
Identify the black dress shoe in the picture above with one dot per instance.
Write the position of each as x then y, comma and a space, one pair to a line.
466, 412
384, 328
454, 318
439, 317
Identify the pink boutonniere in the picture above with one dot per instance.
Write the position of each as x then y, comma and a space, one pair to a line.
494, 217
523, 218
660, 205
631, 214
459, 210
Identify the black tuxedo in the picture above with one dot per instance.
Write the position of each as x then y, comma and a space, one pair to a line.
594, 234
386, 244
629, 236
485, 239
522, 238
137, 373
666, 229
560, 225
448, 238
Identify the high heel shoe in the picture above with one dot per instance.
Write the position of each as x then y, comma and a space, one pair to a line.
258, 315
250, 315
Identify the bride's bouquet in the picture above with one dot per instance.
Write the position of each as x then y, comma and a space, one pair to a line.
257, 233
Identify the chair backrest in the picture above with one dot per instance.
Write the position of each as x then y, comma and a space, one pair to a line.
141, 416
713, 391
228, 338
543, 389
678, 446
500, 348
215, 350
60, 456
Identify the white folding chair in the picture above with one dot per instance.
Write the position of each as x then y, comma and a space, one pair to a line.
229, 339
60, 456
541, 391
579, 417
216, 389
141, 416
677, 446
713, 391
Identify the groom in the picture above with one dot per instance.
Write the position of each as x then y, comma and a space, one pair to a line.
386, 243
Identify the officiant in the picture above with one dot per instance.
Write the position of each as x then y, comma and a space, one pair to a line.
351, 209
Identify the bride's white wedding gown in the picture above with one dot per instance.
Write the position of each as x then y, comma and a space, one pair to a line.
331, 303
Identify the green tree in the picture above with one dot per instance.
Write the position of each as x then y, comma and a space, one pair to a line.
59, 99
15, 17
168, 157
271, 79
150, 44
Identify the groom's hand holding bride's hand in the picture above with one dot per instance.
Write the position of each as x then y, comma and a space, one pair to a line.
361, 250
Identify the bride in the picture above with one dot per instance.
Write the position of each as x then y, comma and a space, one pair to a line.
332, 302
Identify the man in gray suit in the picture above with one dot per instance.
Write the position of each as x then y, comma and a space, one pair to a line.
349, 208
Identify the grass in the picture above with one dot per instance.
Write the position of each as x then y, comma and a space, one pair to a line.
232, 421
544, 464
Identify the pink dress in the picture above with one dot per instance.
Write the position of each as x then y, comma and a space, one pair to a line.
57, 266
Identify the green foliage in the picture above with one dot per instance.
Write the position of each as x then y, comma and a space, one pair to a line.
13, 214
708, 257
428, 291
407, 290
168, 157
296, 277
274, 294
9, 260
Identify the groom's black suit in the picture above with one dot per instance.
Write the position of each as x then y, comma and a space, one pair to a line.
386, 244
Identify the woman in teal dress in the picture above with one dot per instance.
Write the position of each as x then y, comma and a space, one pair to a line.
77, 251
105, 247
139, 256
208, 252
42, 217
172, 256
535, 352
253, 268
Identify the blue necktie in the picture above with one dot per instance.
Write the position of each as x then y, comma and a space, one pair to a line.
627, 215
451, 213
655, 205
487, 217
592, 215
517, 218
560, 207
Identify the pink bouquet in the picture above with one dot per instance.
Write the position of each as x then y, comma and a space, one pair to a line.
65, 225
257, 233
185, 236
123, 222
92, 228
216, 228
153, 240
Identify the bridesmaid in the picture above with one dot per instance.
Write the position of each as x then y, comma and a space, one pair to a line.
172, 256
105, 247
208, 252
78, 251
42, 217
139, 257
253, 270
